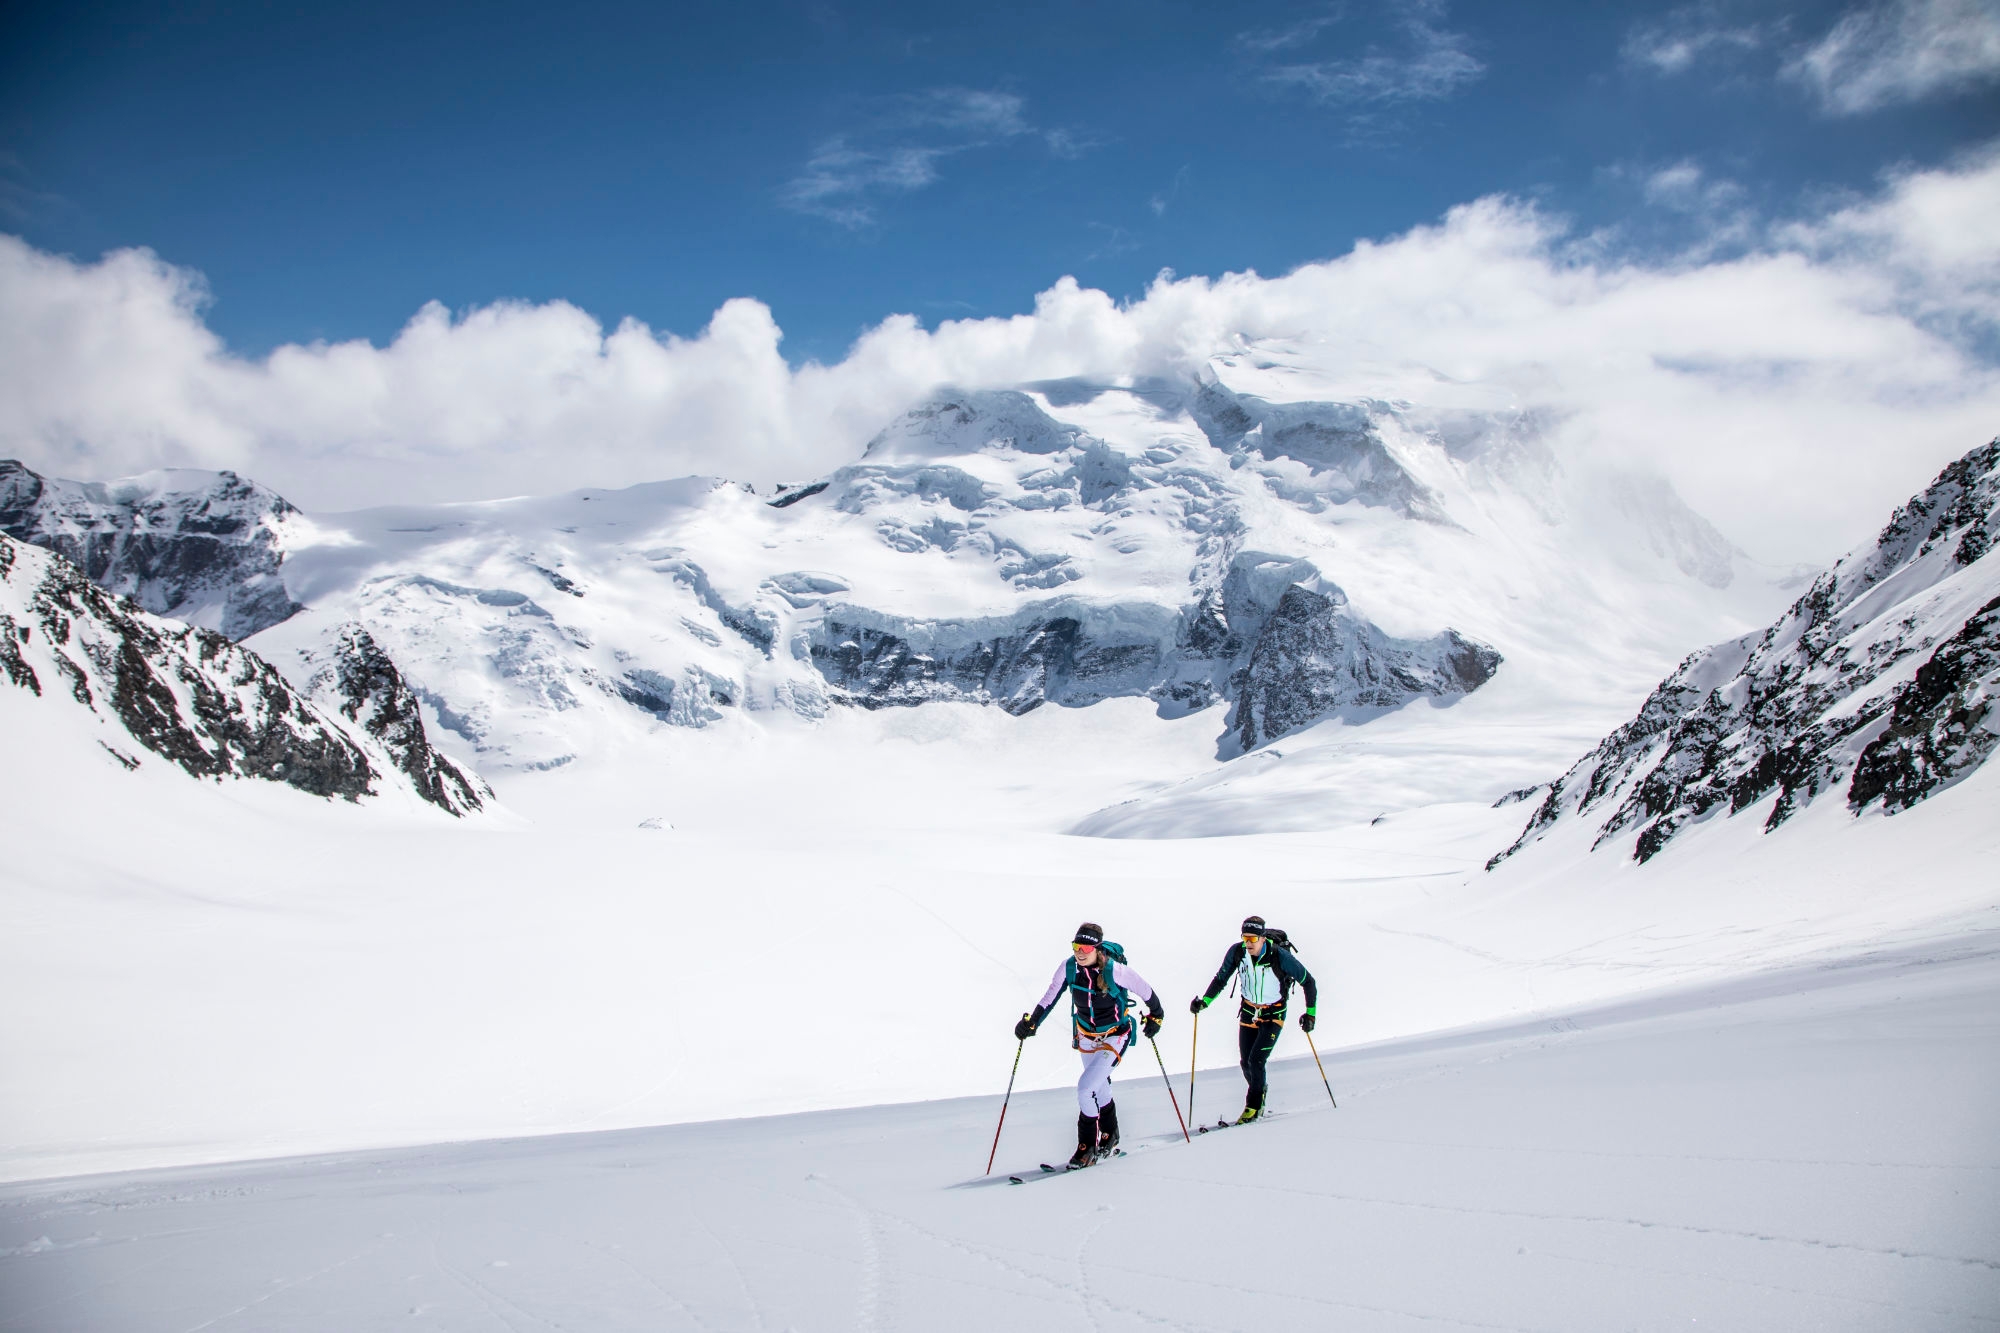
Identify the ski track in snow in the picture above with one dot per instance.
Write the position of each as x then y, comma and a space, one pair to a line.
1810, 1148
1640, 1222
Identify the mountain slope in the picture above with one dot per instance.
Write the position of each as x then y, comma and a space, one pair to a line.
1288, 560
1262, 542
1881, 678
137, 682
1804, 1151
204, 547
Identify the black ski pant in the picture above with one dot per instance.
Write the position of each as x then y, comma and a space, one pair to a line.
1257, 1033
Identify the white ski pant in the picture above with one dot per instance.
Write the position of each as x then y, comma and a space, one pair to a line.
1093, 1089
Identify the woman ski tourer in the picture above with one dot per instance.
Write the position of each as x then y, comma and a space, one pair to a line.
1265, 969
1101, 986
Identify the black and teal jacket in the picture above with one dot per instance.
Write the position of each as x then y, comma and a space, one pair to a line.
1098, 996
1266, 979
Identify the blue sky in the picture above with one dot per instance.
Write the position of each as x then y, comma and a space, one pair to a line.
330, 169
369, 254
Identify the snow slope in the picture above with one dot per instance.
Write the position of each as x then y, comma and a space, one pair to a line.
1805, 1148
334, 984
88, 678
1880, 679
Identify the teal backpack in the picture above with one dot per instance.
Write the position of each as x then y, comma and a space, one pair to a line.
1113, 953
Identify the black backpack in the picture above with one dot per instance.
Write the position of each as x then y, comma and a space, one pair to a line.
1283, 941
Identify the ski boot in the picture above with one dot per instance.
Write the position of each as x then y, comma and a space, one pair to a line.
1107, 1129
1086, 1142
1249, 1113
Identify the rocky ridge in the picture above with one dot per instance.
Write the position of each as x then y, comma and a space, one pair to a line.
204, 547
209, 706
1882, 679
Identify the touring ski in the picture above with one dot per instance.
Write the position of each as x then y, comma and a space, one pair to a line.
1065, 1168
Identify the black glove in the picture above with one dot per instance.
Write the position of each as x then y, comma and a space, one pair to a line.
1197, 1004
1023, 1029
1151, 1027
1306, 1021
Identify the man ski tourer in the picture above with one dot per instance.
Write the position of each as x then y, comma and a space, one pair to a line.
1101, 986
1265, 969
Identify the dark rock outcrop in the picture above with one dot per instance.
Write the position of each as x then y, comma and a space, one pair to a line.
1880, 678
205, 704
199, 546
1286, 648
363, 685
1338, 445
1941, 725
1047, 661
1313, 658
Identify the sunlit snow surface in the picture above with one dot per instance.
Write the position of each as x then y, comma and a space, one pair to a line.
745, 900
1812, 1148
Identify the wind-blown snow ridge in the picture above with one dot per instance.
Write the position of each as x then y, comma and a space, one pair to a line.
1883, 676
208, 706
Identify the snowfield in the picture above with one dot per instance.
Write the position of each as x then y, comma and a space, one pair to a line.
279, 977
1804, 1148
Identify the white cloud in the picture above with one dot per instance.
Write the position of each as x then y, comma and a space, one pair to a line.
901, 144
1673, 43
1931, 237
1792, 391
1263, 41
1717, 210
1069, 144
1430, 63
990, 115
839, 180
1901, 51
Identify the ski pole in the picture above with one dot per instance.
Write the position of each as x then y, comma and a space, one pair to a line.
1194, 1044
1003, 1106
1322, 1070
1170, 1089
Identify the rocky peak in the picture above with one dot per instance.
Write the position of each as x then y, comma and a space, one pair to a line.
206, 705
1881, 678
204, 547
355, 678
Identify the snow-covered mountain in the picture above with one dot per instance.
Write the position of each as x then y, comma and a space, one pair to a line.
1262, 540
1881, 679
89, 665
204, 547
1228, 541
